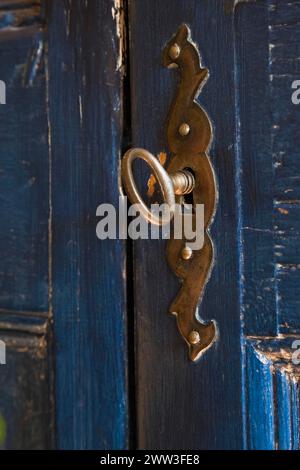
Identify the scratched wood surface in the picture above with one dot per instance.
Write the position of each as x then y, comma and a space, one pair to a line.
181, 405
88, 275
267, 38
26, 401
284, 69
269, 130
60, 134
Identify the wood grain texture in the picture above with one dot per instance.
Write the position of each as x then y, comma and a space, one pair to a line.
26, 401
284, 69
26, 404
24, 200
85, 103
269, 174
272, 394
255, 175
181, 405
267, 51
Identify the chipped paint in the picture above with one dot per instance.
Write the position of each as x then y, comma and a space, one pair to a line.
276, 352
283, 211
118, 14
34, 63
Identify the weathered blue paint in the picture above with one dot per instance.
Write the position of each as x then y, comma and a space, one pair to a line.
267, 51
24, 177
284, 410
255, 169
88, 275
272, 393
26, 405
284, 69
260, 401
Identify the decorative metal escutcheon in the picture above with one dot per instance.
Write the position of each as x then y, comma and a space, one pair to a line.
189, 135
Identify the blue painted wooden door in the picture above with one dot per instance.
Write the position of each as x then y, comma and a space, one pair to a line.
93, 360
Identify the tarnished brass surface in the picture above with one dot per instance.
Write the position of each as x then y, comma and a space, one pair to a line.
164, 181
181, 182
189, 134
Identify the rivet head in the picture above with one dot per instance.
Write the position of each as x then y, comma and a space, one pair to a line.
186, 252
194, 337
184, 129
174, 51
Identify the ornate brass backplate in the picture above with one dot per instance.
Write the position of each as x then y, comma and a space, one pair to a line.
189, 134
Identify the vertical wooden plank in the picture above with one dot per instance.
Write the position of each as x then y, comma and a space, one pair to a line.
267, 60
285, 410
24, 200
272, 393
26, 404
260, 401
255, 169
182, 405
85, 103
284, 70
267, 57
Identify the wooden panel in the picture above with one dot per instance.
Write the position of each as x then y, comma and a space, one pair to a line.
26, 406
85, 102
287, 257
181, 405
255, 176
24, 201
269, 165
273, 400
267, 59
260, 404
284, 69
26, 401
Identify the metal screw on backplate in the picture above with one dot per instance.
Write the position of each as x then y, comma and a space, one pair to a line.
186, 253
194, 337
184, 129
174, 51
